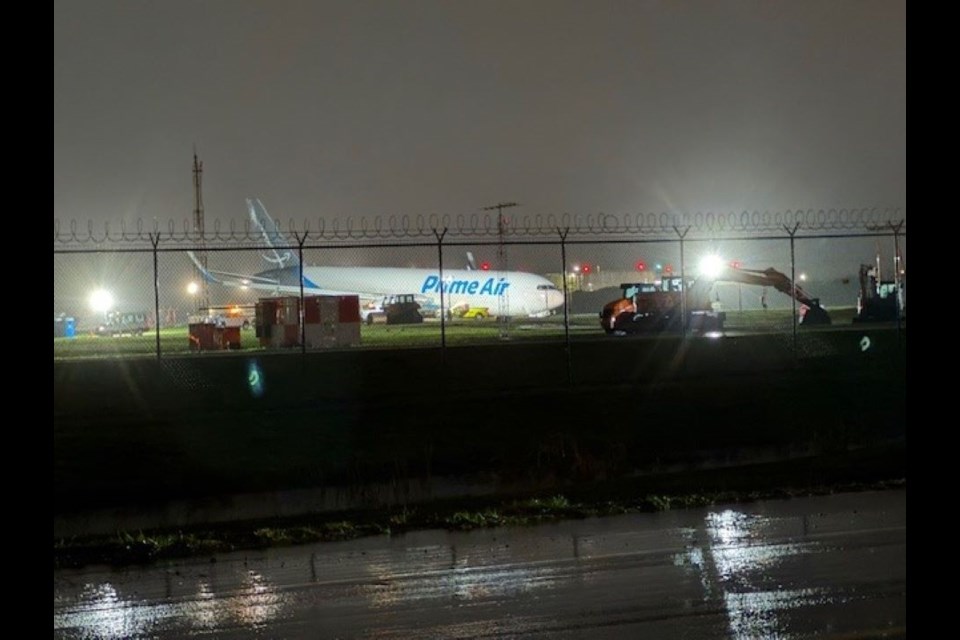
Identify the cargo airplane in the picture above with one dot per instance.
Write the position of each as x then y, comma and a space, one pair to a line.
512, 293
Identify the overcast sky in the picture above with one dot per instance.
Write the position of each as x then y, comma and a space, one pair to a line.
335, 109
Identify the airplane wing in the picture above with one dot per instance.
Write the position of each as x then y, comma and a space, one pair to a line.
229, 278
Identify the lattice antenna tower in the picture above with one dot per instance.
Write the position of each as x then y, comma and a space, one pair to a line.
203, 298
503, 300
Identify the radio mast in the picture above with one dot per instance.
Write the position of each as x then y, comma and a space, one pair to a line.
203, 295
503, 300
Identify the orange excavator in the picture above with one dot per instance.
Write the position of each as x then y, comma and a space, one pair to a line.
650, 307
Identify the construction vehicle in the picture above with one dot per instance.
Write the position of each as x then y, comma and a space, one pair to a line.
656, 306
878, 300
397, 309
652, 307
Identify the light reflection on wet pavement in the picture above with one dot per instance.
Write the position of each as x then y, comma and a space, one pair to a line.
831, 567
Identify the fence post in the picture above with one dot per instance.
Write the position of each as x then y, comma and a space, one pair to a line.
896, 275
793, 282
302, 314
683, 283
566, 301
443, 315
155, 241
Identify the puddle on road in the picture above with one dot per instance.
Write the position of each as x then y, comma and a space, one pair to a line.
756, 570
101, 612
735, 563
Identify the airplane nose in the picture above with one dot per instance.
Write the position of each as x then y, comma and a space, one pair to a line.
554, 299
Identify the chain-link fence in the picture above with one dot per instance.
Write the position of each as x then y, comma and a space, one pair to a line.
483, 280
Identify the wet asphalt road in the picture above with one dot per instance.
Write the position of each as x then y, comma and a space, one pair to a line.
825, 567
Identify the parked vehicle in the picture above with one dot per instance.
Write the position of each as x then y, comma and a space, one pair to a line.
398, 309
118, 323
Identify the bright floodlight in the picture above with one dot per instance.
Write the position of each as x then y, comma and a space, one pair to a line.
711, 266
101, 300
193, 288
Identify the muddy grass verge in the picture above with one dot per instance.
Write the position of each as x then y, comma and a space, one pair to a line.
875, 468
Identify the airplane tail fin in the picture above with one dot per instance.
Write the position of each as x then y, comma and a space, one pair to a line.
280, 252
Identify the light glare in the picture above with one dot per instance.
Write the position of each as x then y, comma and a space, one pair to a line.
101, 300
711, 266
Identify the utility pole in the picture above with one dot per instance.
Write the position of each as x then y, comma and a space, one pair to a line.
503, 300
203, 297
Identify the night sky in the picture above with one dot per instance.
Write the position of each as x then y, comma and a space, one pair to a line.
337, 109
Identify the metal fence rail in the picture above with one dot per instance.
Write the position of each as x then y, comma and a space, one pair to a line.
484, 225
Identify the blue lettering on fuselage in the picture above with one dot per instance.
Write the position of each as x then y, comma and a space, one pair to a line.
490, 287
429, 284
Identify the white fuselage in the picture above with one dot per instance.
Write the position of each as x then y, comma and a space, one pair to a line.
509, 293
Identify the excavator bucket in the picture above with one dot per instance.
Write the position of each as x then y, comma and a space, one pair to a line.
815, 315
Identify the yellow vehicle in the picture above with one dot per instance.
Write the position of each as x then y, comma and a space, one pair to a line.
477, 313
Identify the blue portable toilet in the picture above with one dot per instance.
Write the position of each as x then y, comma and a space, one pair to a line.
69, 328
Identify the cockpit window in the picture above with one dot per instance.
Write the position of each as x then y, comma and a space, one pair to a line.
547, 287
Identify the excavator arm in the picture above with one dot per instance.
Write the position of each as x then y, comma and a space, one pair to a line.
779, 281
